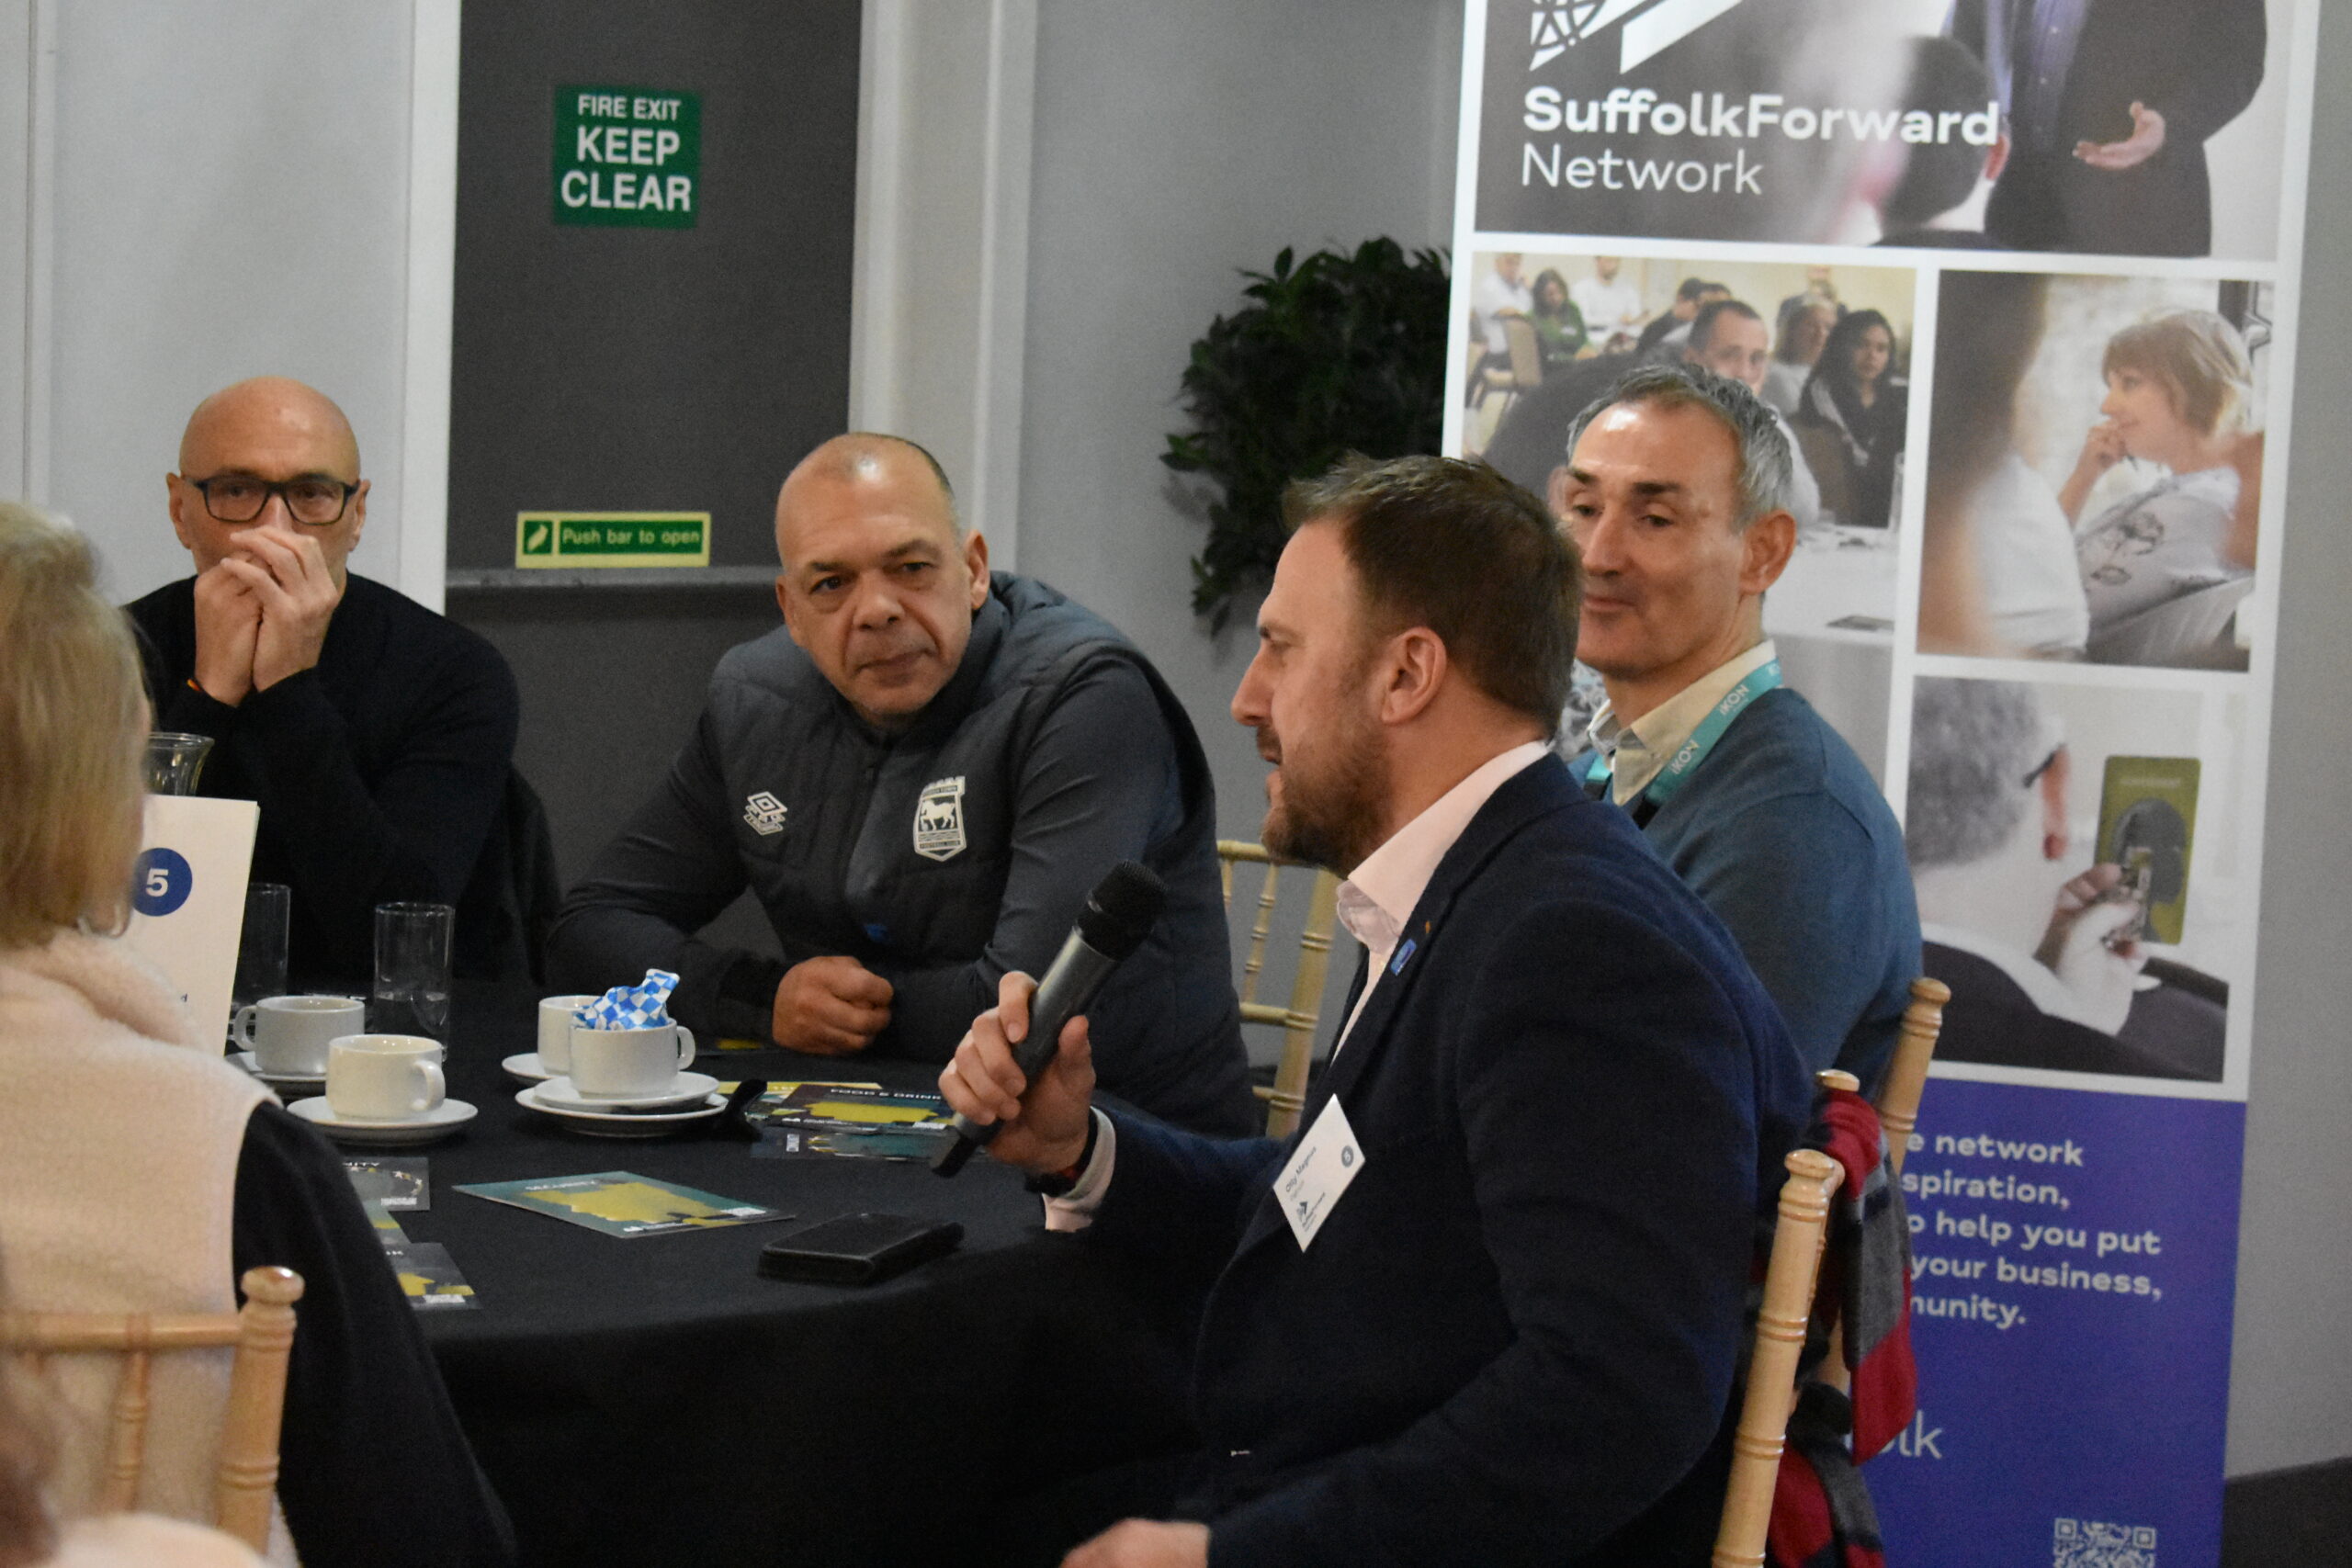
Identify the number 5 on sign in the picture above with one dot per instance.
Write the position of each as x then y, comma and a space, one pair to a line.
187, 899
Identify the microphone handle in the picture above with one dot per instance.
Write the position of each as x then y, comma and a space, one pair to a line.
1069, 989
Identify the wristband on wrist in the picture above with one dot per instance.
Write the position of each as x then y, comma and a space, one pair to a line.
1059, 1183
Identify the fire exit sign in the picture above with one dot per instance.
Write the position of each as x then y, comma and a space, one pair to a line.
628, 157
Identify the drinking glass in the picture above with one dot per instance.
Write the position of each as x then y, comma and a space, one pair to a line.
174, 761
261, 947
411, 992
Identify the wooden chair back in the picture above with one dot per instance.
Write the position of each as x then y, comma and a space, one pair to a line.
1797, 1238
1287, 1098
261, 1332
1907, 1075
1898, 1113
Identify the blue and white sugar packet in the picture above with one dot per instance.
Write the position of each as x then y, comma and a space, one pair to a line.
644, 1006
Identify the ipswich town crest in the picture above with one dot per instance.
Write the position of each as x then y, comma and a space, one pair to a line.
939, 819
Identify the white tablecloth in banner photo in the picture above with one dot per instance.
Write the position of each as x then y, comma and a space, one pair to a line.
1840, 575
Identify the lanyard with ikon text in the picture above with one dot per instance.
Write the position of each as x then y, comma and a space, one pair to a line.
1694, 751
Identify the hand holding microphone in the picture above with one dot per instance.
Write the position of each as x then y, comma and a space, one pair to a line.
1040, 1124
1013, 1048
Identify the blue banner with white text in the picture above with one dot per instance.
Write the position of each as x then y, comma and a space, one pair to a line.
2073, 1258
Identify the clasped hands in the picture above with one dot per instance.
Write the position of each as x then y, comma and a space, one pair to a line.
262, 611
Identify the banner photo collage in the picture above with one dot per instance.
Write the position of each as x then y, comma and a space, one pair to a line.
2020, 279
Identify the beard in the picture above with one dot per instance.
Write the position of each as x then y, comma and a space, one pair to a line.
1331, 815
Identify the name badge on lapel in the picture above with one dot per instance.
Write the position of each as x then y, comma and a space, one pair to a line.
1319, 1169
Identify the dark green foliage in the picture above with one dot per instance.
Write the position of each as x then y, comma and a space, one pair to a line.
1340, 354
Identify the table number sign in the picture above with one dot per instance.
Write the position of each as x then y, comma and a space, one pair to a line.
188, 898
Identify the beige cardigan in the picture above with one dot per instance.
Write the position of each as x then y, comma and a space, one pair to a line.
120, 1129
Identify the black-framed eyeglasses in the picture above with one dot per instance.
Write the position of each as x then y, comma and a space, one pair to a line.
313, 500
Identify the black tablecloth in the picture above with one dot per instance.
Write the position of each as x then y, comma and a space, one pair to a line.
650, 1399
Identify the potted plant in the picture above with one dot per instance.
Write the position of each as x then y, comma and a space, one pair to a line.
1341, 353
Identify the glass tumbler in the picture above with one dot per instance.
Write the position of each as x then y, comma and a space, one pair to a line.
412, 990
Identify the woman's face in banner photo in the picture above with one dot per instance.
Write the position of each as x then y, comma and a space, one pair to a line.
1872, 350
1551, 294
2140, 409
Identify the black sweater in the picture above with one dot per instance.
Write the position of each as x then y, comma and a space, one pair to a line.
380, 772
375, 1471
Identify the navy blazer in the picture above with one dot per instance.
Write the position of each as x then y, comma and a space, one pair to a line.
1515, 1334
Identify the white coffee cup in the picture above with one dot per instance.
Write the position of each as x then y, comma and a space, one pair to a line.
384, 1078
618, 1064
288, 1035
555, 1033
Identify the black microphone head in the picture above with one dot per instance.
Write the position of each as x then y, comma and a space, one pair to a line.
1120, 911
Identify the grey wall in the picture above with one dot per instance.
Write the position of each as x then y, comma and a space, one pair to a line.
1174, 145
620, 369
2290, 1390
612, 681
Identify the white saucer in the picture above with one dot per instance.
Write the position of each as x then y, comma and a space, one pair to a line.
526, 1068
688, 1089
623, 1123
252, 1064
439, 1123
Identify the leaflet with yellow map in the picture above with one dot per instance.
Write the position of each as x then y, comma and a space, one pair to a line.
862, 1108
428, 1275
620, 1202
847, 1121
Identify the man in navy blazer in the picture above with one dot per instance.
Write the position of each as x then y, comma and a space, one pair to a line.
1485, 1307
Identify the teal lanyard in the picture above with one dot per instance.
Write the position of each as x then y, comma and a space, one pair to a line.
1702, 740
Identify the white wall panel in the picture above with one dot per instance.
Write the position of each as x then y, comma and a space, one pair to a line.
232, 199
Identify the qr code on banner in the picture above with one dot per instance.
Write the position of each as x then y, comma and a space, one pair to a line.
2085, 1543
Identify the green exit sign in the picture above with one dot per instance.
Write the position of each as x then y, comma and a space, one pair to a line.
612, 538
628, 157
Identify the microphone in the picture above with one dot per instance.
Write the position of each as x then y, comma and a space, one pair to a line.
1118, 915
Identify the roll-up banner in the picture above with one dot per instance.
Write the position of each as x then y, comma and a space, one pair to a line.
2022, 278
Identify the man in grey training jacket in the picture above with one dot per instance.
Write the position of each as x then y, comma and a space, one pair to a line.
920, 776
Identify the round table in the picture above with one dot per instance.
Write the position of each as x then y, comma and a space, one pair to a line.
651, 1400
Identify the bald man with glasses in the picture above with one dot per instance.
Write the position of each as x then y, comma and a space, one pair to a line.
376, 736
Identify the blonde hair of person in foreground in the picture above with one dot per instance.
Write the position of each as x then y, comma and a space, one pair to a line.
73, 730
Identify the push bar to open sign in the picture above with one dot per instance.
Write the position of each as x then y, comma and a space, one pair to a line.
612, 538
